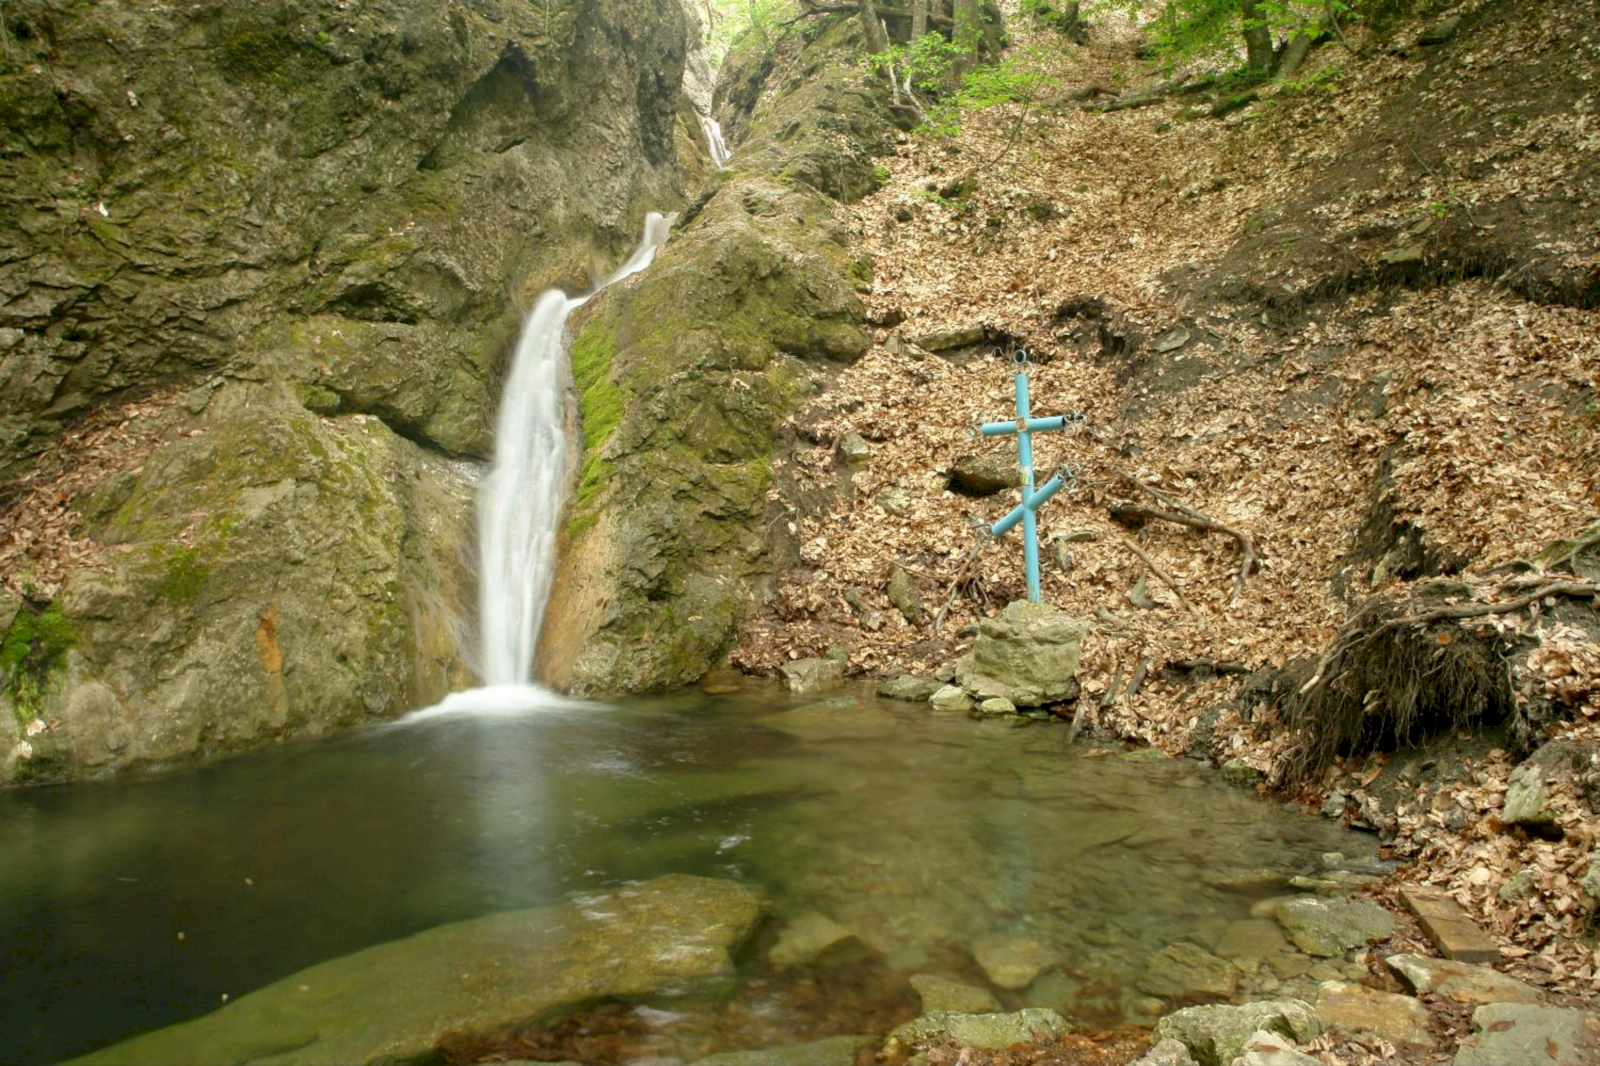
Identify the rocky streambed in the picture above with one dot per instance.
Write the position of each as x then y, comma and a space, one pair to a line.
751, 871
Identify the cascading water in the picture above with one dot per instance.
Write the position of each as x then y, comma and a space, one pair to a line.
520, 501
714, 142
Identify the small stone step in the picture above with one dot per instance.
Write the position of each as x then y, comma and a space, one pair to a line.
1449, 928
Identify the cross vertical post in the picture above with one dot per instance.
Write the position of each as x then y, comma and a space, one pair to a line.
1025, 512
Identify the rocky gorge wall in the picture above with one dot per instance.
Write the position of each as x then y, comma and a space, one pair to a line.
260, 266
687, 374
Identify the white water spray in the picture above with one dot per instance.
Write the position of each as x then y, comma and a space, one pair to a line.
714, 142
520, 501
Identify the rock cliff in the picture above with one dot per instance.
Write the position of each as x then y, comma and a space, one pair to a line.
294, 239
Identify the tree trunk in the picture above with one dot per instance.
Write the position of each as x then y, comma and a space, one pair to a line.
968, 32
1257, 38
872, 26
919, 18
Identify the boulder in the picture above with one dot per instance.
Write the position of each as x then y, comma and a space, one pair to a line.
1183, 970
396, 1001
1352, 1008
942, 994
1460, 981
951, 698
911, 689
904, 595
1527, 801
813, 675
1030, 649
1590, 883
853, 448
894, 501
1531, 1036
1216, 1035
995, 705
1166, 1053
1328, 927
986, 474
990, 1031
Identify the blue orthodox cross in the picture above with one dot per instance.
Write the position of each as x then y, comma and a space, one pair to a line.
1024, 428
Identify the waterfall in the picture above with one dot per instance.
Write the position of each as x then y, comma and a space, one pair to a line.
714, 142
520, 501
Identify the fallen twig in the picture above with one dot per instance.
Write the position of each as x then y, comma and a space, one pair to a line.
1140, 672
1166, 579
1172, 511
961, 575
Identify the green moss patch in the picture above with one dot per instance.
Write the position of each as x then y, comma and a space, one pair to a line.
600, 404
35, 646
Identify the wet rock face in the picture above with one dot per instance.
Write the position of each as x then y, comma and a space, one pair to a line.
352, 206
273, 573
356, 196
685, 375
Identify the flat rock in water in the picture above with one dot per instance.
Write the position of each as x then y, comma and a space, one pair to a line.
834, 1051
1356, 1008
838, 719
1012, 962
1329, 927
396, 1001
1460, 981
942, 994
807, 937
1525, 1035
1251, 938
1217, 1035
991, 1031
1183, 970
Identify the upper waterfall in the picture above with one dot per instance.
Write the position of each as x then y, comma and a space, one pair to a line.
521, 498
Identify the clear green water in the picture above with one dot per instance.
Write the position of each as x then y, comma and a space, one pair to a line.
136, 904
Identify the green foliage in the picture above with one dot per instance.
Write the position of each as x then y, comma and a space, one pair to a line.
1013, 80
1323, 83
927, 64
731, 21
1187, 30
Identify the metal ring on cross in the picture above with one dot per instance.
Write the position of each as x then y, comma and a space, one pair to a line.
1020, 356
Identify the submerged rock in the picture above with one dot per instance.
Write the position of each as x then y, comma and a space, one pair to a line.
990, 1031
911, 689
394, 1002
942, 994
1012, 961
807, 937
1183, 969
834, 1051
